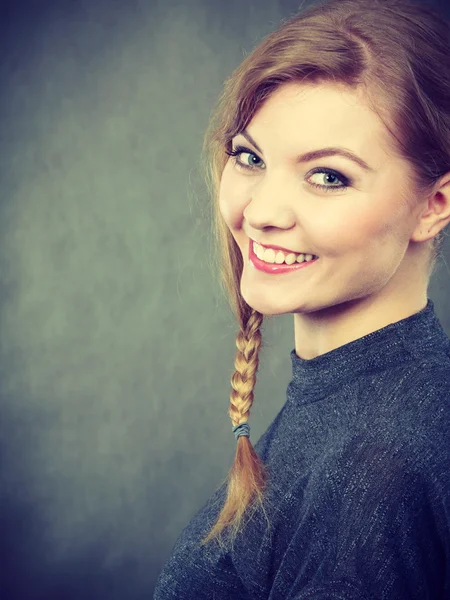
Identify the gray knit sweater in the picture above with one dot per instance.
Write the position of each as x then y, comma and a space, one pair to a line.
358, 497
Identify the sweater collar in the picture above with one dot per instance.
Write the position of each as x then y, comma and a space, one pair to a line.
408, 339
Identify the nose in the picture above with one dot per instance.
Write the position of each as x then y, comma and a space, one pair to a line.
271, 205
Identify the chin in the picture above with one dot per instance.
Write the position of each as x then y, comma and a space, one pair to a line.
269, 307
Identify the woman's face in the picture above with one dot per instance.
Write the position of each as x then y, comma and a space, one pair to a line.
361, 234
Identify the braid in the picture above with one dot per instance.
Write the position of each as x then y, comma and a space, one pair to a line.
243, 380
247, 476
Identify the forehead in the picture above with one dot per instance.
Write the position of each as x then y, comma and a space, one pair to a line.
300, 116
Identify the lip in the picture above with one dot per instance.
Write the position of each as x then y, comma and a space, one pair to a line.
274, 268
286, 250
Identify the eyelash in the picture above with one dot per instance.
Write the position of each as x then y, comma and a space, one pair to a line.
345, 180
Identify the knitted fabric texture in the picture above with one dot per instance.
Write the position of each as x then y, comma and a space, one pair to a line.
358, 497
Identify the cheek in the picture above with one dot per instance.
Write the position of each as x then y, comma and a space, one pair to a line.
354, 228
233, 198
334, 230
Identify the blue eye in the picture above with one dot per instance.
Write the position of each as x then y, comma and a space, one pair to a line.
237, 152
346, 182
334, 175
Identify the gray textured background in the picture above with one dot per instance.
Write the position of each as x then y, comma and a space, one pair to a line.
116, 347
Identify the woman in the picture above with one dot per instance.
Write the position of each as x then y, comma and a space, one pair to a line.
329, 159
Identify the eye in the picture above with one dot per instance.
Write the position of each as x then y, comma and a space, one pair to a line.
346, 182
239, 150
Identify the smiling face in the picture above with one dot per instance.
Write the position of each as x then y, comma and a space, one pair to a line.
361, 233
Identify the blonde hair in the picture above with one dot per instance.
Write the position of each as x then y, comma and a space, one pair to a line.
399, 53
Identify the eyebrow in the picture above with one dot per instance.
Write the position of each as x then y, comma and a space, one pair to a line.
315, 154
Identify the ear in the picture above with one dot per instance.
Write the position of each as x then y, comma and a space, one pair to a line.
435, 212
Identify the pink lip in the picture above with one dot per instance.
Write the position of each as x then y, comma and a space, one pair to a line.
280, 248
274, 268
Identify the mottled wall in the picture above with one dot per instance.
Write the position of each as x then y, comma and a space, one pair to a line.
116, 347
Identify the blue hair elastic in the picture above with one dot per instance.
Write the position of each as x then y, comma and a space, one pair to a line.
242, 429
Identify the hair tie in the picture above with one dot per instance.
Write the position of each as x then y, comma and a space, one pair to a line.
242, 429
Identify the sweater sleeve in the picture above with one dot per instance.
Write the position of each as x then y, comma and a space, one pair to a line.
387, 527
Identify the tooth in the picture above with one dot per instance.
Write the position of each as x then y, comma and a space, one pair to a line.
290, 259
269, 255
257, 249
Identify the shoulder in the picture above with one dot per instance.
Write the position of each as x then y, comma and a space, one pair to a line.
401, 434
421, 401
398, 423
409, 402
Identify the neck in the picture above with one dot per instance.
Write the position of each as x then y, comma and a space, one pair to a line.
326, 329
